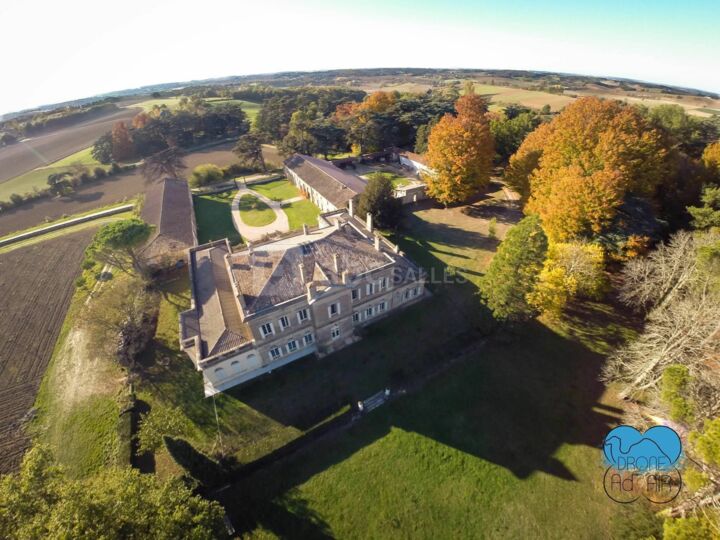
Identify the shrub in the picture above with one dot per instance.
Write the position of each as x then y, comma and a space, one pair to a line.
115, 168
673, 391
205, 174
16, 199
99, 172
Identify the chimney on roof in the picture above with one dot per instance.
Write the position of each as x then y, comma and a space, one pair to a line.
251, 254
310, 291
301, 266
345, 277
377, 242
336, 263
368, 222
351, 210
305, 229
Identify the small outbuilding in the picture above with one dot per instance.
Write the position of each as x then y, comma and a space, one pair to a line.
168, 208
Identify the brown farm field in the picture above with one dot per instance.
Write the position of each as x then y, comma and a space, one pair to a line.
98, 194
26, 155
36, 285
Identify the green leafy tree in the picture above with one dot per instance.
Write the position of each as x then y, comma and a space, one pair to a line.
707, 215
674, 387
117, 244
102, 149
515, 270
58, 182
690, 528
707, 442
40, 501
249, 150
203, 175
378, 200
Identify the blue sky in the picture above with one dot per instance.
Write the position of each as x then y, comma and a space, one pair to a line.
60, 50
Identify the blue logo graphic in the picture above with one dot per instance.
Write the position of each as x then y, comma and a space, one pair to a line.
626, 449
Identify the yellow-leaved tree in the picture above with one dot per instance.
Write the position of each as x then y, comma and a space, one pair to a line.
577, 170
570, 270
460, 152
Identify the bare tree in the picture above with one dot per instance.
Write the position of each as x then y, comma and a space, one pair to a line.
166, 163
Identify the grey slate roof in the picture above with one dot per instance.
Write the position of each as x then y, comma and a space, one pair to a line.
219, 325
168, 206
333, 183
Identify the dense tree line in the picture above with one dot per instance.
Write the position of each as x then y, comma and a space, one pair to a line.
192, 123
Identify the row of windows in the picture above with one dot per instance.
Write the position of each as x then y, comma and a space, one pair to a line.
370, 288
369, 312
292, 346
268, 328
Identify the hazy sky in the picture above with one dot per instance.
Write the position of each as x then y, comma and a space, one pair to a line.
59, 50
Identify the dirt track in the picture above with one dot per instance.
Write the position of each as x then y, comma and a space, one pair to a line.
24, 156
36, 285
97, 194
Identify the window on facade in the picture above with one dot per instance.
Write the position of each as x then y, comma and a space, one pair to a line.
414, 291
355, 293
333, 309
368, 289
292, 346
407, 294
382, 306
266, 329
308, 338
335, 332
284, 322
356, 317
383, 284
275, 353
302, 315
368, 313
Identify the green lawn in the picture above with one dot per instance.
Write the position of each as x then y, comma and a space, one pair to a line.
37, 178
301, 213
276, 190
214, 218
254, 212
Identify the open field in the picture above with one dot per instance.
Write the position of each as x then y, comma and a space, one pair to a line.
690, 105
529, 98
213, 217
116, 188
36, 285
254, 212
27, 155
37, 178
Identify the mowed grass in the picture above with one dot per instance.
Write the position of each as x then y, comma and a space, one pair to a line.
37, 178
301, 213
502, 445
254, 212
397, 180
214, 218
276, 190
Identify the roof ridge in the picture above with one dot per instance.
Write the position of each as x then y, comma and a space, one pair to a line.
344, 186
274, 271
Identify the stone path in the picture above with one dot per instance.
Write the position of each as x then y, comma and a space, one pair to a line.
253, 234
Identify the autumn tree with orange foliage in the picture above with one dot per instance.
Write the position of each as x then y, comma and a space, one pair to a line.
460, 152
711, 160
140, 120
578, 169
122, 145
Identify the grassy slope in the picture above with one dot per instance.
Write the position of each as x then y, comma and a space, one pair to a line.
254, 212
529, 98
250, 108
213, 217
37, 178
